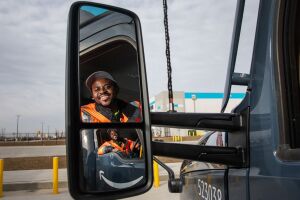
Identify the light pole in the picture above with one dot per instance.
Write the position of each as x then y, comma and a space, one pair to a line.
56, 135
42, 133
48, 133
3, 132
18, 118
194, 98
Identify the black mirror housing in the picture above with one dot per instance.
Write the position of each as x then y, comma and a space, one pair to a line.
75, 124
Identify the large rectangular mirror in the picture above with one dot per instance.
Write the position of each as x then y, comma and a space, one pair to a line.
109, 75
107, 109
109, 92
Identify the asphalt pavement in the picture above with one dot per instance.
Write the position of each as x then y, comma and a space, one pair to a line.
42, 179
46, 194
37, 151
37, 184
31, 151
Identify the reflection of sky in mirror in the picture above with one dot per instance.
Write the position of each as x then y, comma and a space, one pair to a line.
90, 12
33, 48
93, 10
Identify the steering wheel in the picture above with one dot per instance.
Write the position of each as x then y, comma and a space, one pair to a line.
135, 153
121, 154
137, 141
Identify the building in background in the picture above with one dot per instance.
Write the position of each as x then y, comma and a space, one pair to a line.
190, 102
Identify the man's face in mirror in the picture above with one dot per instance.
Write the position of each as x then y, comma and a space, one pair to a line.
103, 91
113, 135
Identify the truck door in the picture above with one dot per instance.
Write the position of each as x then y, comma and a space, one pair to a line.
274, 116
273, 99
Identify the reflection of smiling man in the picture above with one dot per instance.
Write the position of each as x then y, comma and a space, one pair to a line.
117, 143
107, 107
103, 91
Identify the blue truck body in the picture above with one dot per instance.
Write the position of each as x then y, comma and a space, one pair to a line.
273, 167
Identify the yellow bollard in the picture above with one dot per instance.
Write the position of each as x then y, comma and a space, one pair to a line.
155, 174
55, 175
141, 151
1, 177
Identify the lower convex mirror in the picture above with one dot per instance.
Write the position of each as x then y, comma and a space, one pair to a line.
112, 159
107, 107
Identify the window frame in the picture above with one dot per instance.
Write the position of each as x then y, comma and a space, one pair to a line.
289, 142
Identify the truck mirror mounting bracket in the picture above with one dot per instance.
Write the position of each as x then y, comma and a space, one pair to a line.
174, 184
205, 121
232, 156
235, 155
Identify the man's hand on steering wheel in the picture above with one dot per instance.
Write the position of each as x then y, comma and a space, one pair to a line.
137, 144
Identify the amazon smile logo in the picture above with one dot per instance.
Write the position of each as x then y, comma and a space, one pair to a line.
118, 185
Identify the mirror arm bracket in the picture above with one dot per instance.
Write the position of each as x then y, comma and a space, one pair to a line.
240, 79
233, 156
174, 184
233, 124
205, 121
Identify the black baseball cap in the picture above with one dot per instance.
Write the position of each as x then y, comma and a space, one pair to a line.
98, 75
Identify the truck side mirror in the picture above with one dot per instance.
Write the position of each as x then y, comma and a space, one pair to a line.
107, 110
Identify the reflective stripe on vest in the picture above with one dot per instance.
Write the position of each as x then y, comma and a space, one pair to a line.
98, 117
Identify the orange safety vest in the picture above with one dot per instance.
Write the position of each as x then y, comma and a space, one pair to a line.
97, 117
126, 148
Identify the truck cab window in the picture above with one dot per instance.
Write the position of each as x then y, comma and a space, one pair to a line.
291, 72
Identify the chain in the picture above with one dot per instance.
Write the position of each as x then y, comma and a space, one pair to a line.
169, 68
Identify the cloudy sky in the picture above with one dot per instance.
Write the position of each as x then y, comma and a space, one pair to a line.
33, 46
